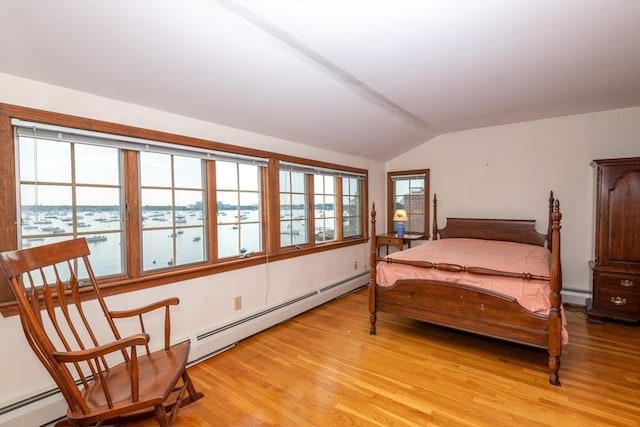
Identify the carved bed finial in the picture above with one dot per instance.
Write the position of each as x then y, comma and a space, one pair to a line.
434, 229
550, 221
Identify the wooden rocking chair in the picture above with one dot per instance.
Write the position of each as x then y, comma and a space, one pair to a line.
103, 380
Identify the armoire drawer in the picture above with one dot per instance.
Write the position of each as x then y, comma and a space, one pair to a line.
619, 300
623, 282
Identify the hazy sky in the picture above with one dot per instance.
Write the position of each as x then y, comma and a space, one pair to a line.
49, 163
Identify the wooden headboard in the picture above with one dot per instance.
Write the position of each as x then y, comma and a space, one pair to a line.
509, 230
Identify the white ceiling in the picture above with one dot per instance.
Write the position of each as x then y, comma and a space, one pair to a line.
369, 78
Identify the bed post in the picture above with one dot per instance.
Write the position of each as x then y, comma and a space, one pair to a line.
373, 255
555, 298
434, 229
550, 223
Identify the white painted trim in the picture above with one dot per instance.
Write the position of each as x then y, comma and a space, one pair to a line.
210, 342
575, 297
205, 344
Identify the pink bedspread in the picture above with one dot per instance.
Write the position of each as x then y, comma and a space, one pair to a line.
497, 255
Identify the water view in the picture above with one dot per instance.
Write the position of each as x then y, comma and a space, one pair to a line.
168, 237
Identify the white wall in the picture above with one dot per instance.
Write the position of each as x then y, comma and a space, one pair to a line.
205, 302
507, 172
503, 171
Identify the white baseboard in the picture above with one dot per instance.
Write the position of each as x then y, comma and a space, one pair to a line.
210, 342
575, 297
38, 410
45, 408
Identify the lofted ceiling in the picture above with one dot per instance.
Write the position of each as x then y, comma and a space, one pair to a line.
369, 78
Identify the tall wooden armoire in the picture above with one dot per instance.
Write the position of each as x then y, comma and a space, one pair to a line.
616, 266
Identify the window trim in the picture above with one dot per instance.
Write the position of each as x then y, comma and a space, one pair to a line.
407, 174
82, 136
319, 170
135, 279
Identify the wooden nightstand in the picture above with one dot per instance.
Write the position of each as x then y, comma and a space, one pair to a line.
392, 239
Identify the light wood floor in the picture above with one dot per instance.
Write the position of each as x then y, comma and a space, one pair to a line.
324, 369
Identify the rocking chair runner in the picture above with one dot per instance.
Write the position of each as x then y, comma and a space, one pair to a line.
103, 381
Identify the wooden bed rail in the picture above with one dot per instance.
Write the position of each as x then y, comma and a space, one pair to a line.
527, 226
456, 268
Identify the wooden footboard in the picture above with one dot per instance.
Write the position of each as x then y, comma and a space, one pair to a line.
465, 308
477, 310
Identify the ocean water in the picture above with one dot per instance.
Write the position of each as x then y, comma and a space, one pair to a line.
166, 241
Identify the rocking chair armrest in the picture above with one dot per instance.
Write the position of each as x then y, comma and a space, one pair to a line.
92, 353
141, 310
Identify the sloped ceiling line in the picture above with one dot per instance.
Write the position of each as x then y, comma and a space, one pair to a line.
347, 79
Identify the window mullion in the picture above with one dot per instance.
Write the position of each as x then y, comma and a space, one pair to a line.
311, 214
173, 209
212, 211
133, 214
272, 210
338, 210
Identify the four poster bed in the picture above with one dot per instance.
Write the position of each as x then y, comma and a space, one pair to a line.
492, 277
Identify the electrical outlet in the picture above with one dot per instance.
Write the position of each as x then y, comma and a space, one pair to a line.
355, 265
237, 303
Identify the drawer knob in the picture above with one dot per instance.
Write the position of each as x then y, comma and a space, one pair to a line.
626, 283
618, 300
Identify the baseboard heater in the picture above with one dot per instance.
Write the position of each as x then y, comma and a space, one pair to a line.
28, 401
574, 297
211, 342
40, 409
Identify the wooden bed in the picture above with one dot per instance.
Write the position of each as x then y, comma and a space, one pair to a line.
469, 308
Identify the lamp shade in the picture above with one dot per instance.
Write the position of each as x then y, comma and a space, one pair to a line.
400, 215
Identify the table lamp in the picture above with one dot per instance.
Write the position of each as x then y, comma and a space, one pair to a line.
399, 218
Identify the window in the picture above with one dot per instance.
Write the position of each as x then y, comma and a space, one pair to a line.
239, 209
324, 207
67, 172
409, 190
337, 210
158, 208
351, 208
63, 195
172, 195
293, 209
